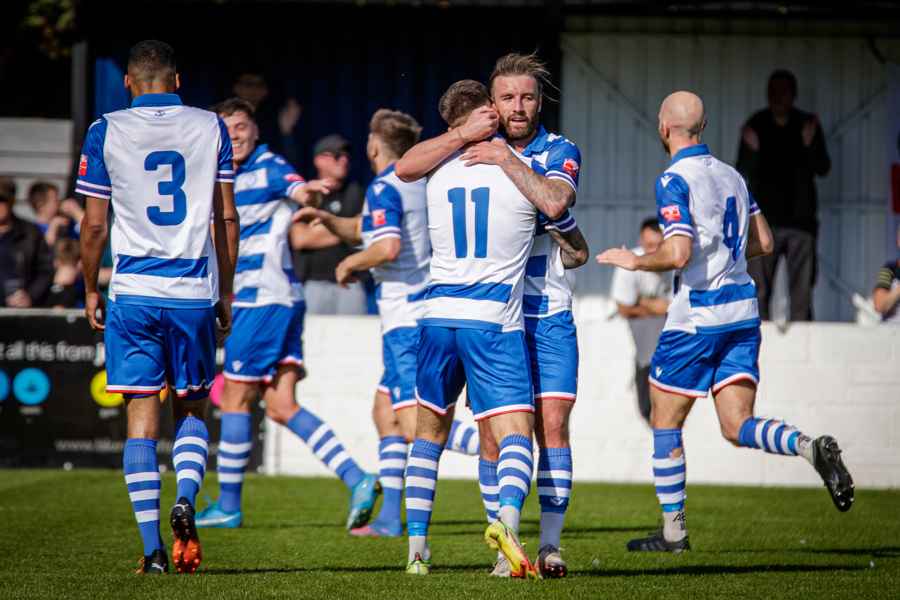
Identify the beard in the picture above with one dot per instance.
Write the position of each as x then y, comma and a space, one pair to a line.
514, 131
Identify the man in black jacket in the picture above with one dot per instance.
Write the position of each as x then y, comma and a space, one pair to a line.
782, 150
26, 263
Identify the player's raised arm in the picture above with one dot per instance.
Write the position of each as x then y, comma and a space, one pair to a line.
348, 229
422, 158
227, 235
550, 196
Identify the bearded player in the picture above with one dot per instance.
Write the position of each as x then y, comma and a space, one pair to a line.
544, 167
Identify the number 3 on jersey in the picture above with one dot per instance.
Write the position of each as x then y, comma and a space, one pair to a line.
481, 198
168, 188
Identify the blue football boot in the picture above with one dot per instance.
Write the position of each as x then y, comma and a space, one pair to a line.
362, 501
214, 516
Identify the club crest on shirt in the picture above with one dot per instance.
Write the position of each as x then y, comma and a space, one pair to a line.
378, 217
671, 213
570, 166
82, 166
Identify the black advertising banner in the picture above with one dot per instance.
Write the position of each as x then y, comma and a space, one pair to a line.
54, 409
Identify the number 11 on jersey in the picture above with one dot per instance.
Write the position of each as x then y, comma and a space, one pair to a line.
481, 197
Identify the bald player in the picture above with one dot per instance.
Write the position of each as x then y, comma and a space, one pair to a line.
711, 228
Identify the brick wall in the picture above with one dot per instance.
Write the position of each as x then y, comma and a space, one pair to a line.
839, 379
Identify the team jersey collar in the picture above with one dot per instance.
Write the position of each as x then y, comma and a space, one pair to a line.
387, 171
156, 100
538, 144
698, 150
260, 150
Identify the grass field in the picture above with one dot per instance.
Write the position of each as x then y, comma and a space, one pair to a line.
73, 535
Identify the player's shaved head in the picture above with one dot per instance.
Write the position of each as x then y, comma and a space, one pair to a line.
681, 117
151, 62
461, 99
684, 113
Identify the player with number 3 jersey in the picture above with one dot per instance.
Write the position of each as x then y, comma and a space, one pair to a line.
165, 167
711, 339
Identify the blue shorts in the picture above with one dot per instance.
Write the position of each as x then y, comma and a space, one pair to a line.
401, 349
553, 350
495, 366
691, 364
263, 338
148, 346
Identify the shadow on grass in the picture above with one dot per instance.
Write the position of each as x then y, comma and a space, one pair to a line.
889, 552
676, 571
718, 570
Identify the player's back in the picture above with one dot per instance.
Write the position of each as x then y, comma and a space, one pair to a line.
481, 229
408, 272
715, 292
163, 160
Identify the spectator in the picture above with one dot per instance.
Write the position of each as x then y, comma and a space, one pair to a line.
251, 87
318, 250
44, 200
782, 150
643, 298
26, 263
887, 291
65, 293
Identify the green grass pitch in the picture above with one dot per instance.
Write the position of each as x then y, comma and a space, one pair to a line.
73, 535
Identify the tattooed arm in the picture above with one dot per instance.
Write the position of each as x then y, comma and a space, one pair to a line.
550, 196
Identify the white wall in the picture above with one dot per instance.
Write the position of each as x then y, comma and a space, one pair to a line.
839, 379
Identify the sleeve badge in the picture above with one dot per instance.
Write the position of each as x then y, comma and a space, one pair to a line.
82, 166
379, 217
671, 213
570, 166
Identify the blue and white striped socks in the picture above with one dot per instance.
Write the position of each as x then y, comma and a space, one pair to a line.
515, 470
143, 481
669, 475
391, 464
421, 480
189, 456
554, 483
463, 438
490, 488
325, 445
232, 459
775, 437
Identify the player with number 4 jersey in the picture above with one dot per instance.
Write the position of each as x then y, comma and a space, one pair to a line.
165, 167
711, 339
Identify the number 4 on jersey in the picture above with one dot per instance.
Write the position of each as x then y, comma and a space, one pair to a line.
481, 198
731, 226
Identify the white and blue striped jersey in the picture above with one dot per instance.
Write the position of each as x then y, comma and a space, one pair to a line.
481, 229
706, 200
397, 209
158, 162
547, 290
264, 274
